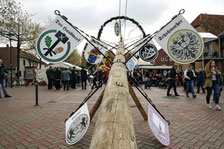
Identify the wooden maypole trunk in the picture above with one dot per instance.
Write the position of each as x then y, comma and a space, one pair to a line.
114, 126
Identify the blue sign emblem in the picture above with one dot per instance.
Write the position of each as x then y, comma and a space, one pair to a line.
93, 55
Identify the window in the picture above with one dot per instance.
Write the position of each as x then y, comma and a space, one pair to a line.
24, 62
208, 46
162, 59
167, 59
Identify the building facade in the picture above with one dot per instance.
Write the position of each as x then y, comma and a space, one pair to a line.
26, 60
163, 59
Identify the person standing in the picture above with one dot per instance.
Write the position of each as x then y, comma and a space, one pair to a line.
172, 81
50, 77
57, 75
2, 79
189, 76
212, 82
66, 78
73, 78
200, 80
95, 75
83, 77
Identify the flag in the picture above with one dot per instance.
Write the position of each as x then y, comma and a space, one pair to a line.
158, 125
95, 55
77, 125
131, 63
57, 41
149, 52
180, 41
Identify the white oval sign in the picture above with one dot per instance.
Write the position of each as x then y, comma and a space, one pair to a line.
77, 125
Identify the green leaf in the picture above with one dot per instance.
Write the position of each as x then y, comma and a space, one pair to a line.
48, 41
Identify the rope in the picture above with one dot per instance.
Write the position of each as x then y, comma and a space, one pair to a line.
120, 19
126, 9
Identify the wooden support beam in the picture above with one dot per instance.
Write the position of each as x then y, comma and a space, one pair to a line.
111, 55
138, 104
114, 126
96, 106
128, 55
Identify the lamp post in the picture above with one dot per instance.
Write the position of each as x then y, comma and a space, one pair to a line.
10, 42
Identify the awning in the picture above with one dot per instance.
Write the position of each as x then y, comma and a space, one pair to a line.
156, 67
207, 35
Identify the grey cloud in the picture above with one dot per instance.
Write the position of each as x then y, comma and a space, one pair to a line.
146, 11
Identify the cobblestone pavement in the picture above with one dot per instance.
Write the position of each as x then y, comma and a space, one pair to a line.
24, 125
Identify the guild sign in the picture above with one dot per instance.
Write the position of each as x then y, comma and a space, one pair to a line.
106, 62
77, 128
57, 41
131, 63
50, 49
116, 28
159, 126
77, 125
180, 41
184, 46
94, 55
148, 53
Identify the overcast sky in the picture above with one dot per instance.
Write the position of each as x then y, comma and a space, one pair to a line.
89, 15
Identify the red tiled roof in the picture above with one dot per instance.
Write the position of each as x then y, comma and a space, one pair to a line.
211, 23
5, 56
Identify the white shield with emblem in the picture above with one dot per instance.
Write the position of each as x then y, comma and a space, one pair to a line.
77, 125
180, 41
57, 41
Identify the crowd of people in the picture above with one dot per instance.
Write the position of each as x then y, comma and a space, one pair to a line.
66, 78
69, 78
209, 79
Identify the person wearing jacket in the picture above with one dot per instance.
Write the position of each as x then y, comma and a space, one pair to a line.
189, 76
212, 82
83, 77
2, 79
50, 77
65, 75
200, 80
57, 76
172, 81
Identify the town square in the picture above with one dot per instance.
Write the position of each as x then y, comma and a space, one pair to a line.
111, 75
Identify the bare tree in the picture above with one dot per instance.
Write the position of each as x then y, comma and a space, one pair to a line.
16, 22
74, 58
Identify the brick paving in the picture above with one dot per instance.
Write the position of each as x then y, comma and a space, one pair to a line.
24, 125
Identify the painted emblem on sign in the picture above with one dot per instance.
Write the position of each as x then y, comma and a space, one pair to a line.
77, 125
184, 46
93, 55
52, 43
106, 62
116, 28
159, 126
148, 53
77, 129
131, 63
